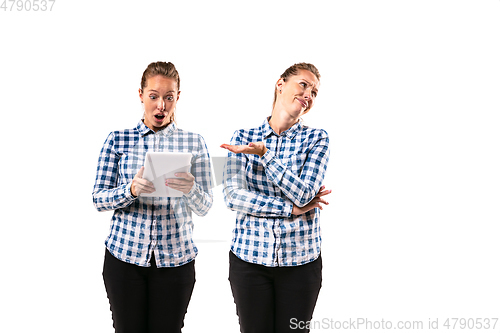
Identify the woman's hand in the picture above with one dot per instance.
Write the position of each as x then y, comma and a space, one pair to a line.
257, 148
140, 185
314, 203
184, 183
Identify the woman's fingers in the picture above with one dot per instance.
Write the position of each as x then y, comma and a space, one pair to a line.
237, 149
140, 185
184, 183
323, 192
317, 202
140, 172
145, 186
232, 148
257, 148
185, 175
321, 201
183, 178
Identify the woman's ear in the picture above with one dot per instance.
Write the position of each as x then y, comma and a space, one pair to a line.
279, 84
140, 94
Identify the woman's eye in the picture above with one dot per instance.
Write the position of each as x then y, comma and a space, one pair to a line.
170, 98
303, 84
152, 97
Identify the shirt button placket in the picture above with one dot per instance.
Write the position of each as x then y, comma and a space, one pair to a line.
157, 142
278, 146
278, 244
154, 233
278, 193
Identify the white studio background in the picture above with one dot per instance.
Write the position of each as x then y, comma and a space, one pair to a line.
409, 95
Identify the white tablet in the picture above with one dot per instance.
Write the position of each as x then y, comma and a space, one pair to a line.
160, 166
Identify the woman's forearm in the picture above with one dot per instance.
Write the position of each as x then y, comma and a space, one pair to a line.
114, 198
198, 200
299, 188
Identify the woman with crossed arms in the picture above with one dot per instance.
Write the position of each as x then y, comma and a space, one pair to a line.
273, 180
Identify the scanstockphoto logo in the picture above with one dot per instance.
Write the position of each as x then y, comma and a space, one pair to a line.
438, 324
354, 324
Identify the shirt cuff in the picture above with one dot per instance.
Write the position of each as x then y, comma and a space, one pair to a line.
192, 191
128, 192
287, 208
267, 158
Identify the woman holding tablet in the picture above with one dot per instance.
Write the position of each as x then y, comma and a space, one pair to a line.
273, 179
148, 269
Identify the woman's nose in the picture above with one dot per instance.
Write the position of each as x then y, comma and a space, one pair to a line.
161, 105
308, 94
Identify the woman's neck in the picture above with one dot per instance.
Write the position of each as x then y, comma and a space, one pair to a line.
153, 128
281, 121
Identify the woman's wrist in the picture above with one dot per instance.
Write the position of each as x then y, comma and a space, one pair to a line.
132, 190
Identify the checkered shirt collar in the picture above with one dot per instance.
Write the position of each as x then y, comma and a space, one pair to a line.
290, 133
144, 130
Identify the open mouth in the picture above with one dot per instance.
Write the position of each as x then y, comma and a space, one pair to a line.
160, 117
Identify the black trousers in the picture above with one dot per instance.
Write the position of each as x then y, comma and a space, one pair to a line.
147, 299
274, 299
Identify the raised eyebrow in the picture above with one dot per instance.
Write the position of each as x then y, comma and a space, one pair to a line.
168, 92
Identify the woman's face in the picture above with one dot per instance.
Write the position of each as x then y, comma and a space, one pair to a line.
159, 97
297, 94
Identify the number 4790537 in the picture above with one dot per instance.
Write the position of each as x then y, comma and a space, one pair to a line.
27, 5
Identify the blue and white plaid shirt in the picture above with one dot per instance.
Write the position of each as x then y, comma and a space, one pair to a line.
263, 190
145, 224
